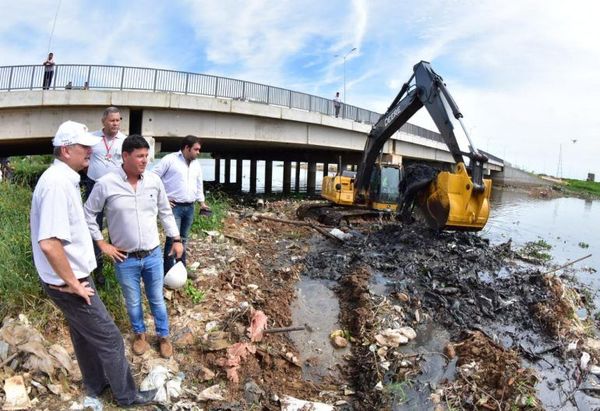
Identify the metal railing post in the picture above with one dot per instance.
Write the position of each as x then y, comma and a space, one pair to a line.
55, 76
10, 79
187, 79
216, 86
243, 91
89, 74
268, 95
154, 87
122, 78
32, 76
290, 102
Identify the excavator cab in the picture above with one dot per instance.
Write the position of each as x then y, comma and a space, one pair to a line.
384, 188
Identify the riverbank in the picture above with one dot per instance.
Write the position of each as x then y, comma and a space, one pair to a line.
425, 321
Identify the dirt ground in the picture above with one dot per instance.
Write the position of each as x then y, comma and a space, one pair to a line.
495, 305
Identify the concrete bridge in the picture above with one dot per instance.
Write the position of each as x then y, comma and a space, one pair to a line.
236, 120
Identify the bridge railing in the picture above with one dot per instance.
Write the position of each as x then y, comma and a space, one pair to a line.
101, 77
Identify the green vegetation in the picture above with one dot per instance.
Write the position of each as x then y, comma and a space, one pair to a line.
20, 289
28, 169
219, 204
195, 294
537, 249
581, 186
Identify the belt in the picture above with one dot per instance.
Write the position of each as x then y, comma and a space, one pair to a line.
139, 254
182, 204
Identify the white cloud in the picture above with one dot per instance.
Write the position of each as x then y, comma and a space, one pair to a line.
523, 73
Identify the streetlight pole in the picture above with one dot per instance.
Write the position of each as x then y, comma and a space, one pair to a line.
345, 56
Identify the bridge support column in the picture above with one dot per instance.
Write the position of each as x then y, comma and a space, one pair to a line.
253, 176
297, 181
311, 178
268, 176
239, 169
217, 170
227, 171
152, 151
287, 177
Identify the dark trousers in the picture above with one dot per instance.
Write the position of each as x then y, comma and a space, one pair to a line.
48, 79
88, 185
98, 345
184, 217
337, 110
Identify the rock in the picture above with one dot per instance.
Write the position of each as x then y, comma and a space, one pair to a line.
584, 361
252, 392
185, 339
213, 393
211, 325
205, 374
594, 369
215, 341
16, 394
403, 297
391, 338
339, 342
408, 332
450, 351
289, 403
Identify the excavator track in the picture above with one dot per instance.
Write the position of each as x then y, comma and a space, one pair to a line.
331, 215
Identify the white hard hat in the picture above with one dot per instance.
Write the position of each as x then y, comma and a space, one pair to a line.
176, 277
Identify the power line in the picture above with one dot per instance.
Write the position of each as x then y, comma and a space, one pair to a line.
53, 26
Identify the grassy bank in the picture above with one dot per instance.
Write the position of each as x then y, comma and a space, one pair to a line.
580, 186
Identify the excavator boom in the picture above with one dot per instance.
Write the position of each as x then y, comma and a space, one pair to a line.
450, 200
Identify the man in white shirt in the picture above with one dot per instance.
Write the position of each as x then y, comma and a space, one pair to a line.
64, 257
337, 104
181, 173
133, 199
106, 158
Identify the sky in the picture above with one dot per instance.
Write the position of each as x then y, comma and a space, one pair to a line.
525, 73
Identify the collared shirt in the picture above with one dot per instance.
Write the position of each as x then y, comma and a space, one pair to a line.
131, 214
57, 212
106, 155
182, 181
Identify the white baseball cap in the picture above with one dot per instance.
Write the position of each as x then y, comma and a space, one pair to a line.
70, 132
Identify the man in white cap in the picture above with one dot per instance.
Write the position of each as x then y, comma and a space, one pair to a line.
64, 257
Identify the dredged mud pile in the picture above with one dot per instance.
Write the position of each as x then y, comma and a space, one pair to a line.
485, 300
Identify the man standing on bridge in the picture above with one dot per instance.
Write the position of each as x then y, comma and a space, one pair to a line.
181, 174
106, 158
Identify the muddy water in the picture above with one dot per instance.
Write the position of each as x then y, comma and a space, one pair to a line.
317, 307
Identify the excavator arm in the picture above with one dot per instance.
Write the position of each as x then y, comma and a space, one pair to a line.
455, 200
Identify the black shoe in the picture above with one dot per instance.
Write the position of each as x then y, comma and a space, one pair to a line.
144, 398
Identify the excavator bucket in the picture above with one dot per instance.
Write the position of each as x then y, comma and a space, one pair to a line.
452, 204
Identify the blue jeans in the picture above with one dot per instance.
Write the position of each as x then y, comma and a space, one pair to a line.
130, 273
184, 217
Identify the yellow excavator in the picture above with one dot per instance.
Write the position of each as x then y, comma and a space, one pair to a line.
456, 200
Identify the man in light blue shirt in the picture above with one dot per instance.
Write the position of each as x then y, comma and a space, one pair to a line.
181, 173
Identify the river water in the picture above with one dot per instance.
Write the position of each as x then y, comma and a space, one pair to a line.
569, 225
